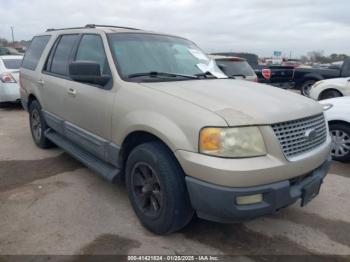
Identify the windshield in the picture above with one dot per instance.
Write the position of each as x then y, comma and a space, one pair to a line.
12, 63
233, 68
137, 53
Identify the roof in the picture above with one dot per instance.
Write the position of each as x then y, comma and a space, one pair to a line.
92, 28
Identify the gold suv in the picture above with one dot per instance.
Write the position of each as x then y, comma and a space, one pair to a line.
154, 110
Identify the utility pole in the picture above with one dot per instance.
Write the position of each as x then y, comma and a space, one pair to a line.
13, 38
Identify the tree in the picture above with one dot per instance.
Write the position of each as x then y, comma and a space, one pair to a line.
315, 56
3, 42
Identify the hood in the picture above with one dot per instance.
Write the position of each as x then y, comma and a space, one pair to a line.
341, 101
241, 102
336, 81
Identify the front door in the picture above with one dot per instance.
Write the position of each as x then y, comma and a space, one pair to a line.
88, 108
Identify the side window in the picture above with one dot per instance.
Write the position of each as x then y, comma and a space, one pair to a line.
91, 49
346, 68
62, 54
34, 52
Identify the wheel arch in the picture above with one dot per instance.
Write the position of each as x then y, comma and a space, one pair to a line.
329, 89
339, 122
134, 139
309, 77
31, 98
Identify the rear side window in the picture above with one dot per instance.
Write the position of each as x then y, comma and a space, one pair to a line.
34, 52
12, 63
91, 49
62, 54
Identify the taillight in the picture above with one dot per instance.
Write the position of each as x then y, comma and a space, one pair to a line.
7, 78
256, 79
266, 73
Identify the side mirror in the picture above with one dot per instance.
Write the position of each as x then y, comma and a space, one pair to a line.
87, 72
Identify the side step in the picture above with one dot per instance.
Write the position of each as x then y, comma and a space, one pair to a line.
104, 169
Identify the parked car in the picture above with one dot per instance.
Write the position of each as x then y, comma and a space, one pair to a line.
8, 51
155, 110
292, 62
9, 87
277, 75
235, 67
330, 88
338, 116
304, 78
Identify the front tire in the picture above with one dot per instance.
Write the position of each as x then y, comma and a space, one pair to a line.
306, 87
340, 134
157, 189
38, 125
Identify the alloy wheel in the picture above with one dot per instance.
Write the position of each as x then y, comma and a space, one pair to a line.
307, 88
146, 189
340, 143
36, 124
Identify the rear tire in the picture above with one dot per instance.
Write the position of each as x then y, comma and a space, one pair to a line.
327, 94
340, 134
38, 125
306, 87
157, 188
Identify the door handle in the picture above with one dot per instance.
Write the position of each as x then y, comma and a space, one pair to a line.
71, 92
40, 82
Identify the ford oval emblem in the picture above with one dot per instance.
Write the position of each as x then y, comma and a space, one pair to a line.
310, 134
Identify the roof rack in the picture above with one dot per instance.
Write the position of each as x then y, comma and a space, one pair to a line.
115, 26
90, 26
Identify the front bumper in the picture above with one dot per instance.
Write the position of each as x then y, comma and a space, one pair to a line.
217, 203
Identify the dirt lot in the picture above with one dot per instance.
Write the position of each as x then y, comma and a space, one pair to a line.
51, 204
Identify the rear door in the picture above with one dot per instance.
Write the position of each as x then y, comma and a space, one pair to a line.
55, 77
281, 74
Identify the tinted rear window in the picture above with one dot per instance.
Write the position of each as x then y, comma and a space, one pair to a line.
34, 52
63, 54
12, 63
236, 68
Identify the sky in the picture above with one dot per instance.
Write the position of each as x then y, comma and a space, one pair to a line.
257, 26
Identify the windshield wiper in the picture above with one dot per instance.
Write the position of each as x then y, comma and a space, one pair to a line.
160, 74
205, 74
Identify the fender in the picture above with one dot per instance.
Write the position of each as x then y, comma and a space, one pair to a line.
311, 76
157, 124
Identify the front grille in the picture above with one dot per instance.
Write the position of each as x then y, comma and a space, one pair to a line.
293, 135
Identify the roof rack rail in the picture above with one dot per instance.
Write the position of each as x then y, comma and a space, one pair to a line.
67, 28
115, 26
90, 26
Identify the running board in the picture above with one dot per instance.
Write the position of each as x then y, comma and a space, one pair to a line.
104, 169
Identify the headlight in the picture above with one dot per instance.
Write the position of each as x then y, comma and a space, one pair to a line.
232, 142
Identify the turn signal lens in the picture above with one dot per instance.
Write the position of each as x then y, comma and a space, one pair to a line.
250, 199
210, 139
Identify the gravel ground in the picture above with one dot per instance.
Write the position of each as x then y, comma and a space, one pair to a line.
51, 204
